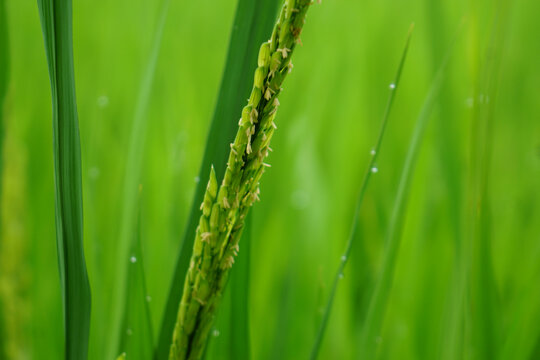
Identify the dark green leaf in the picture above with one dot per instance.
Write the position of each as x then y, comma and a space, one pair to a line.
56, 21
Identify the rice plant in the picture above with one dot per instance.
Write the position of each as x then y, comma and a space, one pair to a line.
398, 219
225, 206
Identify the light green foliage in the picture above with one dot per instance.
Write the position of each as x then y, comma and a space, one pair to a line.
362, 191
224, 208
329, 117
3, 89
136, 335
378, 303
132, 180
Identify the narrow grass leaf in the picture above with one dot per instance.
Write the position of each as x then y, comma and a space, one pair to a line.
252, 24
132, 177
483, 303
523, 332
56, 21
137, 338
367, 175
379, 300
4, 73
4, 79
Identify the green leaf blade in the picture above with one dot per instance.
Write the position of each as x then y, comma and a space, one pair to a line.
132, 180
56, 19
136, 334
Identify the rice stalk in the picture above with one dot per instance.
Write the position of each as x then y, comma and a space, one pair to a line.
225, 207
253, 21
367, 176
56, 21
229, 337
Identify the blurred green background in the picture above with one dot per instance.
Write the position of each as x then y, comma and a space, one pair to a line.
331, 109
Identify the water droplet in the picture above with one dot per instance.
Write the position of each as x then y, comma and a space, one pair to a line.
392, 86
372, 152
300, 199
133, 259
103, 101
343, 258
483, 99
93, 172
469, 102
378, 339
148, 298
129, 332
197, 179
215, 333
374, 169
341, 275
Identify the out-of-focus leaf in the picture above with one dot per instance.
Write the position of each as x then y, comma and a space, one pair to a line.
379, 300
361, 193
4, 71
132, 177
137, 339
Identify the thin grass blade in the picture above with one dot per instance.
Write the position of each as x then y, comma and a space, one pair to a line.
367, 175
132, 177
137, 336
379, 300
56, 21
253, 21
4, 79
483, 302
